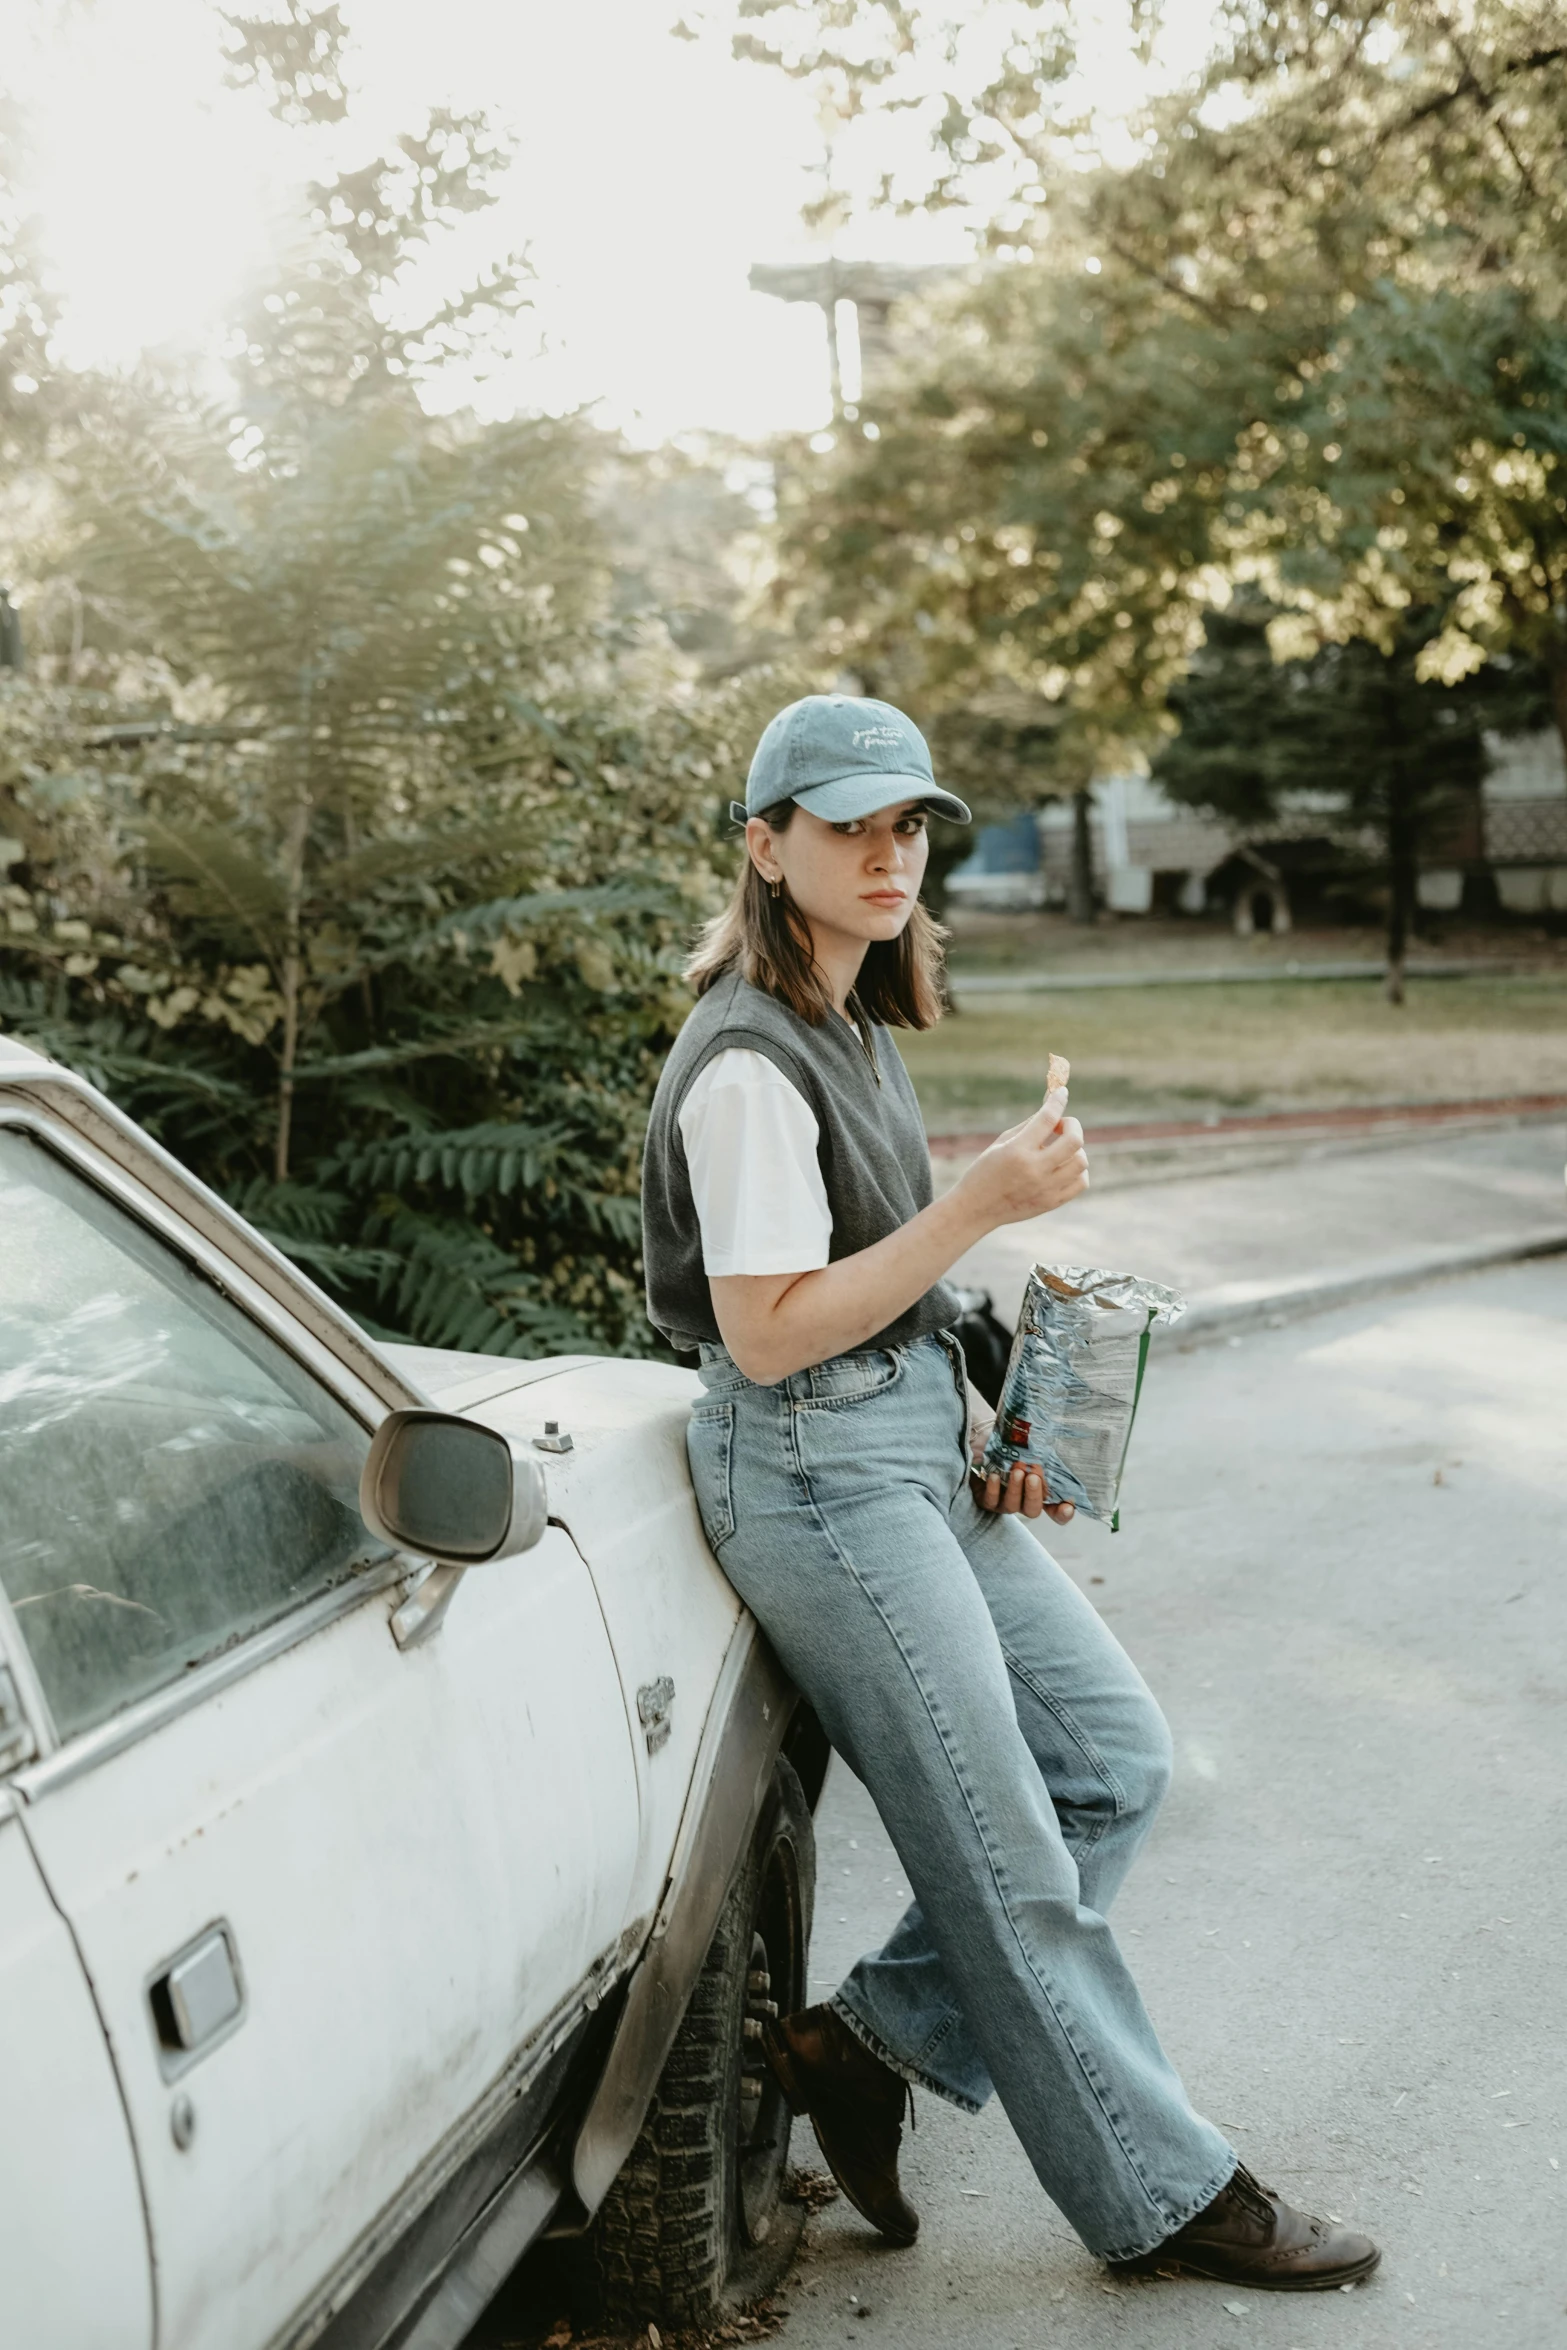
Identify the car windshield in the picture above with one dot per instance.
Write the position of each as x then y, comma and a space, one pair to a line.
173, 1479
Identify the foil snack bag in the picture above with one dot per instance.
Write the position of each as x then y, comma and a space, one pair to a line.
1072, 1385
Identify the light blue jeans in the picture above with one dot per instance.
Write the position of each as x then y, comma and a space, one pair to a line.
1011, 1747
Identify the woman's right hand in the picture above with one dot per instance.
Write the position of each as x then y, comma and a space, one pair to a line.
1030, 1169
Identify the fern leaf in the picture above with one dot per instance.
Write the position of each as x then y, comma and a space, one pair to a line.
222, 883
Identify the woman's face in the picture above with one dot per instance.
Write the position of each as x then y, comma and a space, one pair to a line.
856, 881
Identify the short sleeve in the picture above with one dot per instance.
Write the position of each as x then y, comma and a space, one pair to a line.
750, 1141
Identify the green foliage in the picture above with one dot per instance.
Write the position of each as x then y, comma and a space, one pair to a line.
1434, 448
353, 834
476, 1031
991, 87
1325, 150
1055, 487
294, 55
1312, 344
1388, 761
1254, 730
27, 312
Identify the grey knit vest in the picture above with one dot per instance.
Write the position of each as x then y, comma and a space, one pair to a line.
871, 1146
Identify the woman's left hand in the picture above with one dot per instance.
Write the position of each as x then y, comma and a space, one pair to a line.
1024, 1490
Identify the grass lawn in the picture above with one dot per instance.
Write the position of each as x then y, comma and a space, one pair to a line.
1182, 1051
999, 943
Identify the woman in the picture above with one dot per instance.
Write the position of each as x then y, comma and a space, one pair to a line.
1011, 1748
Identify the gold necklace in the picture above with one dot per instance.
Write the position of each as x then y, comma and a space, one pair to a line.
861, 1026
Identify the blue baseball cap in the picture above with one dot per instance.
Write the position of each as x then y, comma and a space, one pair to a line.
842, 756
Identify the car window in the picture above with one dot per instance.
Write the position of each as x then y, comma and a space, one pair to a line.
172, 1479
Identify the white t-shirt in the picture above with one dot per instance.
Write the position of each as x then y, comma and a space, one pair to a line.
750, 1141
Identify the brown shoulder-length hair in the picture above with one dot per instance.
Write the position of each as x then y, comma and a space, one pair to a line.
768, 941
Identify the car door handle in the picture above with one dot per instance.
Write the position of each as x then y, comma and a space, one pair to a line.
197, 1998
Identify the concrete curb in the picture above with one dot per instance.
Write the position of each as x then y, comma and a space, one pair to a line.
1355, 1126
962, 983
1215, 1314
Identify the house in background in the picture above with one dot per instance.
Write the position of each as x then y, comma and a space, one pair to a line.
1007, 872
1525, 823
1153, 855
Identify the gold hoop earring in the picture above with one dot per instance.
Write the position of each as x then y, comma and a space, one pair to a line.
775, 889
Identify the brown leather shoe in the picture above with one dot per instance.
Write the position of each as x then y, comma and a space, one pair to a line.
1250, 2236
856, 2106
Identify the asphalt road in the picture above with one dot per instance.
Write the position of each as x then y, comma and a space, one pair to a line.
1343, 1568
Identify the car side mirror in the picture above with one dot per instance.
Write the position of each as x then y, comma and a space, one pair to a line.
451, 1490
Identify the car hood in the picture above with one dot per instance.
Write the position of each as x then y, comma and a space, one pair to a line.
457, 1382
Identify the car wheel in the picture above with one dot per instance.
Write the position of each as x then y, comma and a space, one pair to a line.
697, 2222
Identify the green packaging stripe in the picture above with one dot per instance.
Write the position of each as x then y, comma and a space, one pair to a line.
1142, 1365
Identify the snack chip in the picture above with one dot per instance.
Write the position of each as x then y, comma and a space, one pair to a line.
1071, 1389
1056, 1076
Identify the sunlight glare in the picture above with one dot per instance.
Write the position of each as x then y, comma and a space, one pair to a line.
152, 184
650, 174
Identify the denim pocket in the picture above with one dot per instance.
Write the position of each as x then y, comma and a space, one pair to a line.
710, 1444
847, 1379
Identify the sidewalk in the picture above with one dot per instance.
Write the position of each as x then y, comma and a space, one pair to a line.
1265, 1244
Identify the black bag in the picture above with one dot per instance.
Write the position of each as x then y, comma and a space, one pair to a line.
986, 1343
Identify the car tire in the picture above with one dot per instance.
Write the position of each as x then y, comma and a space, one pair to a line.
698, 2223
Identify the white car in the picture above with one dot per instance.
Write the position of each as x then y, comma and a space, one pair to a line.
403, 1828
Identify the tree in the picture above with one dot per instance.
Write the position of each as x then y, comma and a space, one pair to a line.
354, 845
27, 312
480, 1027
994, 87
1383, 188
1312, 341
1435, 449
1044, 500
1326, 150
1394, 760
1331, 146
1006, 750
